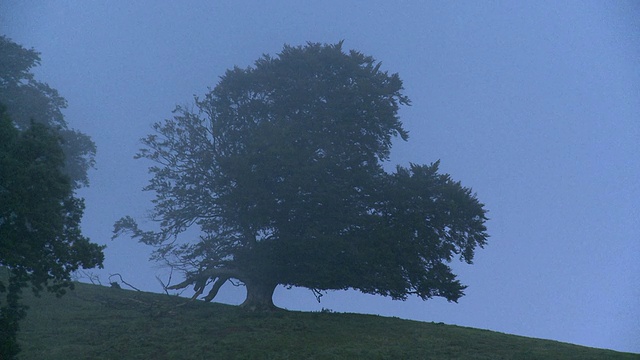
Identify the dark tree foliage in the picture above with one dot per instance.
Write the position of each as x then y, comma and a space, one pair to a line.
279, 168
40, 239
27, 99
42, 161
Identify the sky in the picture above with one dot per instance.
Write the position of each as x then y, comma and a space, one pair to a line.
534, 105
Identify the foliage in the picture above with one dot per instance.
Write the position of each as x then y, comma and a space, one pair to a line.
40, 238
98, 322
280, 169
27, 99
42, 161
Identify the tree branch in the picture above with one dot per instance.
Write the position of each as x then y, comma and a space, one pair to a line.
202, 277
124, 282
216, 286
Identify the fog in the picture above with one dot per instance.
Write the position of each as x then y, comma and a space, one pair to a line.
533, 105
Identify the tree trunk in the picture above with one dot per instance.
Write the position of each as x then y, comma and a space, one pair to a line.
259, 296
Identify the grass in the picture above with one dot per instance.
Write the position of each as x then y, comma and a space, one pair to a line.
95, 322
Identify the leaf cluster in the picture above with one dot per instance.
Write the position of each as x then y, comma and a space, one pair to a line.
40, 236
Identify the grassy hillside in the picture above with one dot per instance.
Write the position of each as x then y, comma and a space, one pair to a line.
95, 322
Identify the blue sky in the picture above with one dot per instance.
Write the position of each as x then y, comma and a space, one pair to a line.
535, 105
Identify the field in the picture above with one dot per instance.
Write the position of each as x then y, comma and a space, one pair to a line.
95, 322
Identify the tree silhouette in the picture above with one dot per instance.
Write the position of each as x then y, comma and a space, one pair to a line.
279, 168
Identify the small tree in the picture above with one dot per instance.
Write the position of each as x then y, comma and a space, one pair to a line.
280, 169
40, 239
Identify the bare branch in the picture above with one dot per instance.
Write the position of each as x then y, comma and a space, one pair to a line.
124, 282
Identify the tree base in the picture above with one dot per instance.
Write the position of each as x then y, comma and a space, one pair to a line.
259, 297
254, 307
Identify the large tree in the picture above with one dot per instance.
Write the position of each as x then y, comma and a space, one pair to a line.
27, 99
40, 239
279, 167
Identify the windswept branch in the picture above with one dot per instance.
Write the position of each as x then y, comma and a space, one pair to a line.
200, 281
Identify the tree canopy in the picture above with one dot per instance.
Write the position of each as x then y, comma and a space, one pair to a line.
279, 167
27, 99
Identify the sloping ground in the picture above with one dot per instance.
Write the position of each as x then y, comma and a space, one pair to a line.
95, 322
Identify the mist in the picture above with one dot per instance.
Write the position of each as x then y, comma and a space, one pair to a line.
532, 105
